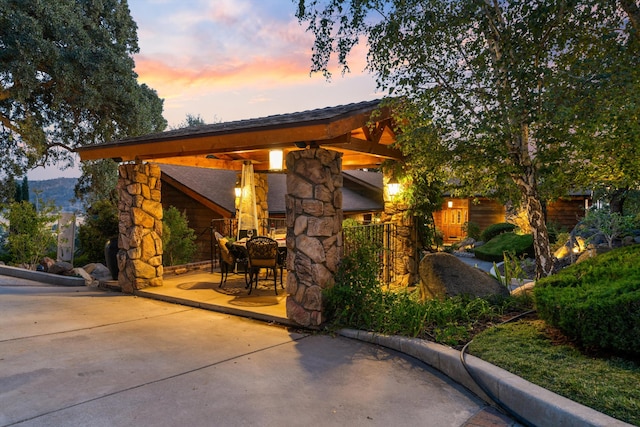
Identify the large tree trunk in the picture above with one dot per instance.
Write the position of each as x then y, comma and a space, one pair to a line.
528, 187
616, 200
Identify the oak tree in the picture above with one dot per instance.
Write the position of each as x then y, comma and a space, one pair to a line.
67, 80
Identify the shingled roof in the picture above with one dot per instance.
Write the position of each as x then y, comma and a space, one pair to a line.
364, 139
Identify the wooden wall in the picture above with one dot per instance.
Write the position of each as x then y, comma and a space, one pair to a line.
198, 215
566, 211
486, 212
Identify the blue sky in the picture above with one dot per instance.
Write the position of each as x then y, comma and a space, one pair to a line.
232, 59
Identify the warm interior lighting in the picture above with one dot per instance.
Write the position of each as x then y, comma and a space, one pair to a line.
450, 204
393, 187
238, 189
275, 160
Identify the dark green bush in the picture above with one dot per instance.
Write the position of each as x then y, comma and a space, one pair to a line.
100, 225
472, 230
178, 239
495, 229
596, 302
494, 249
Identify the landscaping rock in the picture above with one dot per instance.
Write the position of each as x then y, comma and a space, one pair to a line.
442, 274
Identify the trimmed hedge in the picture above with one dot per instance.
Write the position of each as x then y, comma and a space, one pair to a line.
495, 229
596, 302
495, 248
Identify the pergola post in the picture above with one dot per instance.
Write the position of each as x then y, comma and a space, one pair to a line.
404, 241
314, 230
140, 227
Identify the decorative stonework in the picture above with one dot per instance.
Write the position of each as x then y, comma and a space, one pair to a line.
404, 271
140, 228
314, 226
262, 206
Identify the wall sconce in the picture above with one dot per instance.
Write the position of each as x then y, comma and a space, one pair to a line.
275, 160
238, 189
393, 187
450, 204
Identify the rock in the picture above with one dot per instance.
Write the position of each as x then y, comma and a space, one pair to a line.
98, 271
442, 274
61, 267
47, 262
88, 280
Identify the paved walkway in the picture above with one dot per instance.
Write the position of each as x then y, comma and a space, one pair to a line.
83, 357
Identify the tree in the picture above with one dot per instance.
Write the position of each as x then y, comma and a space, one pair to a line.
178, 240
30, 233
100, 225
191, 120
487, 88
98, 182
67, 80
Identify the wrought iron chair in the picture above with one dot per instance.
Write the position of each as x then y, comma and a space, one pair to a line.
263, 253
226, 259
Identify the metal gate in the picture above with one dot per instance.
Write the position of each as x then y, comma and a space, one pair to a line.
382, 236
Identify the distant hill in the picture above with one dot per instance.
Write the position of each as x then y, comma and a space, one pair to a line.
58, 190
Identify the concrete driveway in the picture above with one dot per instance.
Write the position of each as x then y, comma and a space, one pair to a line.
84, 357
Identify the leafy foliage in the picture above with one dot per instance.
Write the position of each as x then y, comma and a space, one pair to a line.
358, 301
499, 96
30, 232
611, 225
596, 302
100, 225
495, 229
495, 248
67, 80
178, 240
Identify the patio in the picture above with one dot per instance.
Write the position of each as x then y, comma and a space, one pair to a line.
200, 289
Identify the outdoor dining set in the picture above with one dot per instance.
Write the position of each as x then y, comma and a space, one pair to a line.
251, 254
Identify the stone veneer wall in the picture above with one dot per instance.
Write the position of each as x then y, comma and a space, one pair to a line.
314, 226
404, 270
140, 227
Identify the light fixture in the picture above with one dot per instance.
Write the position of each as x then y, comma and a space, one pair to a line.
238, 189
275, 160
393, 187
450, 204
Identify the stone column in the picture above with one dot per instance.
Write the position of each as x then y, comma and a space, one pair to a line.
403, 244
314, 227
140, 227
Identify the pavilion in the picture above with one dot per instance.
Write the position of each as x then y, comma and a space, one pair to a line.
316, 146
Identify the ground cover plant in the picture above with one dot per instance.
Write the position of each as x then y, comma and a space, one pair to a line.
539, 354
495, 248
529, 348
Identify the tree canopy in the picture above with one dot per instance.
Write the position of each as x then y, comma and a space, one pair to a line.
504, 98
67, 80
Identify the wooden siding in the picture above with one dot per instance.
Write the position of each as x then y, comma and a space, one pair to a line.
566, 212
198, 215
486, 212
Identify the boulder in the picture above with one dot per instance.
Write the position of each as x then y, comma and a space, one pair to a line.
444, 275
98, 271
61, 267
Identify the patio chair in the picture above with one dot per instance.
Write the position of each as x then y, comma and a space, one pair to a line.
263, 253
226, 259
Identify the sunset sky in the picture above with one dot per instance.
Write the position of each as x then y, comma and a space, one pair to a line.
227, 60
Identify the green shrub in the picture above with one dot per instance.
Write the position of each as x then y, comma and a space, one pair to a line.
178, 240
100, 225
472, 230
596, 302
30, 234
494, 249
495, 229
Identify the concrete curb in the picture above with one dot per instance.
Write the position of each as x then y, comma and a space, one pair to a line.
536, 405
39, 276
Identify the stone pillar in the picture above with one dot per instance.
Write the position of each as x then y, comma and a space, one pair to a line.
140, 227
404, 241
314, 230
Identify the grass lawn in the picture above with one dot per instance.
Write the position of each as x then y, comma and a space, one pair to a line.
529, 349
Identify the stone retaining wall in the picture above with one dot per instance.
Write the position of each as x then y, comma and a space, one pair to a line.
140, 227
